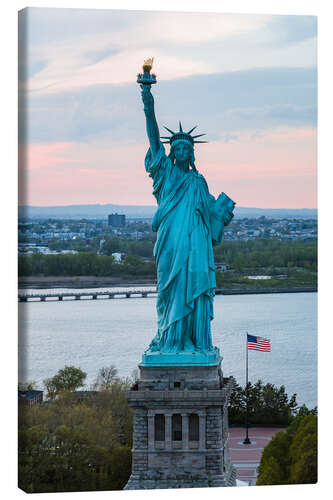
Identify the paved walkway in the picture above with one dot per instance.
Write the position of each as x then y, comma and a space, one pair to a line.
246, 458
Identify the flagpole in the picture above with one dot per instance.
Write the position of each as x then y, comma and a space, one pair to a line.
247, 439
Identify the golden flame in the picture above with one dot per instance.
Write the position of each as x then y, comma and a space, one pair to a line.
148, 64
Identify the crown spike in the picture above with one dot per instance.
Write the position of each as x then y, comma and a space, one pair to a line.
190, 131
181, 135
171, 132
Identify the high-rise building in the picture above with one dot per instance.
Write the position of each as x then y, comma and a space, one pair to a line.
117, 220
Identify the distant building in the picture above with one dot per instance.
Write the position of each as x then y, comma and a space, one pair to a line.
30, 397
117, 220
117, 256
221, 267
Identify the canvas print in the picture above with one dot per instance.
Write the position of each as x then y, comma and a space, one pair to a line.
167, 250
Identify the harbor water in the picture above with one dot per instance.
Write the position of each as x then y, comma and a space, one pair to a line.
91, 334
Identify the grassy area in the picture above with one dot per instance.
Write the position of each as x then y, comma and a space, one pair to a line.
223, 280
294, 279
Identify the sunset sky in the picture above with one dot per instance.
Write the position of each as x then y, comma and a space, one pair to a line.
248, 81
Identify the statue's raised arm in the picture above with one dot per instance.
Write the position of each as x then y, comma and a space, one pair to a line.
146, 80
151, 123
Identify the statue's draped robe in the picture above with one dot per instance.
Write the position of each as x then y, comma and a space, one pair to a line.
184, 256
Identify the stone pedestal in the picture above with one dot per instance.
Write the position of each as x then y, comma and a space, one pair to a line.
180, 435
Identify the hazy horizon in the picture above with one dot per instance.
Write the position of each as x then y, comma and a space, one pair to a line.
248, 81
154, 205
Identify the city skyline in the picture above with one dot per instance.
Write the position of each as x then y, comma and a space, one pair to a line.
248, 81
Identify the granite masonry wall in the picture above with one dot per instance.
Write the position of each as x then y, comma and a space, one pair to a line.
175, 461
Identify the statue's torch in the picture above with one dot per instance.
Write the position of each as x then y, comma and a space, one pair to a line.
147, 78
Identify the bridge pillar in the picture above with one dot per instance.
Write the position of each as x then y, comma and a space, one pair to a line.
111, 296
43, 299
94, 297
60, 297
128, 295
77, 297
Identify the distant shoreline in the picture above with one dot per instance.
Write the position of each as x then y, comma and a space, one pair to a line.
135, 212
80, 282
257, 291
47, 282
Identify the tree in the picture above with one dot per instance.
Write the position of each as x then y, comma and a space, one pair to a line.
35, 444
133, 260
271, 473
105, 378
120, 465
267, 404
291, 456
54, 244
112, 400
69, 378
274, 461
27, 386
74, 445
111, 245
239, 262
303, 451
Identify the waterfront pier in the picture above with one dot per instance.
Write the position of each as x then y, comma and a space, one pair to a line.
56, 296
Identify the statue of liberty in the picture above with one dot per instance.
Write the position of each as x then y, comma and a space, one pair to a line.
188, 222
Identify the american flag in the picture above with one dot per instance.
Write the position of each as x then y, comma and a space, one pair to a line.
258, 343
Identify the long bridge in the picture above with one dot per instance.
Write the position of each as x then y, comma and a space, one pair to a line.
112, 294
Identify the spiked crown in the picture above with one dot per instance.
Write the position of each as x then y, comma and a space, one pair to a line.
181, 136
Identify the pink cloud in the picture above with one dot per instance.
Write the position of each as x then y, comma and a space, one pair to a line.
35, 156
260, 169
75, 173
274, 169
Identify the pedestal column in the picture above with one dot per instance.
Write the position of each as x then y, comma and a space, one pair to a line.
168, 431
202, 430
185, 430
151, 437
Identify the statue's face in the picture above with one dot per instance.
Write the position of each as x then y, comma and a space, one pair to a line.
182, 152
